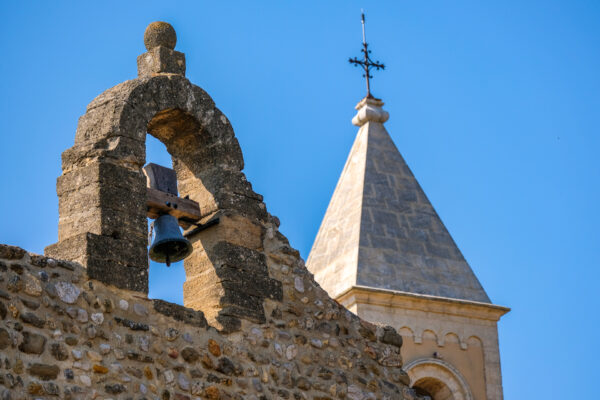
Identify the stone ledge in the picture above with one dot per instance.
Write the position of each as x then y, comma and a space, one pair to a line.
357, 295
180, 313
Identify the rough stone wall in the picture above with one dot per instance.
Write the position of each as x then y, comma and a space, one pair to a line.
64, 335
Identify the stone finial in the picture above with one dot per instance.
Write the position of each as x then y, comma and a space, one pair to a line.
160, 34
369, 110
161, 58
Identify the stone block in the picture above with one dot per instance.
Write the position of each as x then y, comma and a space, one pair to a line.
124, 277
161, 60
250, 283
180, 313
97, 122
100, 173
88, 220
122, 263
77, 179
82, 246
240, 257
237, 230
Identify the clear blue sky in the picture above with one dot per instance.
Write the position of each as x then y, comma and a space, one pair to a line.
494, 105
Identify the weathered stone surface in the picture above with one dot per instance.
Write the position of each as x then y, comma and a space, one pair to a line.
44, 371
123, 305
99, 369
183, 382
31, 304
160, 34
122, 263
114, 388
69, 375
4, 339
33, 286
190, 354
225, 366
390, 336
11, 252
32, 319
59, 351
131, 278
51, 389
3, 310
179, 313
97, 318
67, 292
33, 343
140, 310
104, 348
35, 388
17, 268
214, 348
85, 380
71, 340
161, 60
134, 326
15, 284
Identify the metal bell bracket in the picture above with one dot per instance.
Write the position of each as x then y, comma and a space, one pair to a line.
200, 227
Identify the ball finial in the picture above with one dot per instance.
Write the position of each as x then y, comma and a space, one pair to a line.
160, 34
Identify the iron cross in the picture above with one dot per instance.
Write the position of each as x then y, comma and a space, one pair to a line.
366, 63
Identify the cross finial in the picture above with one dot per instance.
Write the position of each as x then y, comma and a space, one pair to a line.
366, 62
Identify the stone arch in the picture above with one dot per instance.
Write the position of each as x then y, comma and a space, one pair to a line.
102, 197
450, 337
430, 334
179, 114
474, 341
406, 331
438, 378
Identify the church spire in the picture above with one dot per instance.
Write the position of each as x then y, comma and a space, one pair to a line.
380, 230
383, 252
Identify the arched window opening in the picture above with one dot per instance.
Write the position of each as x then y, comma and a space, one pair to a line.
433, 388
164, 283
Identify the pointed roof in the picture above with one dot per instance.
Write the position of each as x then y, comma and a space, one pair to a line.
381, 231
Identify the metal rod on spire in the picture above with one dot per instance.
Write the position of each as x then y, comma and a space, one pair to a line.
362, 21
366, 63
366, 51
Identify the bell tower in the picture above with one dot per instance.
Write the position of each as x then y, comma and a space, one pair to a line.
104, 199
383, 252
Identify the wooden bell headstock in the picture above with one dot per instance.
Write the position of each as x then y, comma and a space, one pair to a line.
162, 198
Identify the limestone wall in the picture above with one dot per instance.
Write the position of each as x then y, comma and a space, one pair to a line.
64, 335
453, 341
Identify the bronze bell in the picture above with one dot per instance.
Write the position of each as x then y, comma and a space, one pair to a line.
169, 245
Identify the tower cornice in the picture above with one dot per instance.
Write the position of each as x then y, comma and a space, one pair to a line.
359, 294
